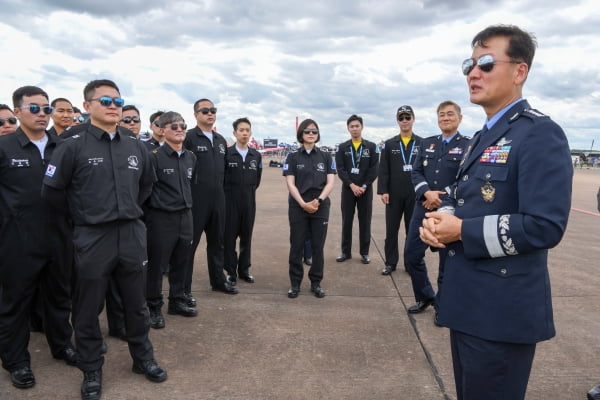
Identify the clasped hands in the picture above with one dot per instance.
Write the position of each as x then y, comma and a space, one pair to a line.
440, 228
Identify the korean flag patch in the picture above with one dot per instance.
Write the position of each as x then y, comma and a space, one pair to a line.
50, 171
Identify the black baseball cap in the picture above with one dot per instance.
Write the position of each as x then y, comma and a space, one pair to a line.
405, 110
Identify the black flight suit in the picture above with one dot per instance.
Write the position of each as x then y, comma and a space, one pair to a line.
32, 252
242, 178
395, 169
105, 182
169, 222
310, 171
435, 168
358, 167
208, 208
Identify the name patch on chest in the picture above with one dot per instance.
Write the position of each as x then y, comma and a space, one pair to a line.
95, 160
19, 163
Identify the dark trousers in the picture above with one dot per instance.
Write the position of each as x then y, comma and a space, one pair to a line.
118, 249
398, 207
490, 370
208, 212
240, 214
414, 258
169, 242
364, 205
115, 316
302, 222
26, 266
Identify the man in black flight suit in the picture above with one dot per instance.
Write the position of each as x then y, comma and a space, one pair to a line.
208, 208
106, 175
356, 161
243, 170
29, 255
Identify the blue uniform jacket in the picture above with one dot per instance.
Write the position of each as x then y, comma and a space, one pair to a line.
435, 168
513, 194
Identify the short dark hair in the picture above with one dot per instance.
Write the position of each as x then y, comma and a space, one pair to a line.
76, 110
354, 117
521, 44
200, 101
155, 115
303, 126
240, 120
169, 117
90, 88
131, 107
6, 107
53, 104
449, 103
28, 91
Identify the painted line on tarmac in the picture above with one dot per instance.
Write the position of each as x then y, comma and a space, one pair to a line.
585, 211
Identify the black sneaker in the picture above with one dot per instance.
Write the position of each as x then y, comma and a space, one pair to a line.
91, 388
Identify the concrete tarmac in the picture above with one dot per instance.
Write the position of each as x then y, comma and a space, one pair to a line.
356, 343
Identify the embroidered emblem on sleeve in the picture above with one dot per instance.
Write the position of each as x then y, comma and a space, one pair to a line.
505, 239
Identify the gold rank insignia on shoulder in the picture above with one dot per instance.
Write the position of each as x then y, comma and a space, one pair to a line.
488, 192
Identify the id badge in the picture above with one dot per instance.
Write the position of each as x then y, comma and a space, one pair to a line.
355, 171
407, 168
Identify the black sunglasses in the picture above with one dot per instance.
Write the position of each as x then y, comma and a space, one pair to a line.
9, 120
311, 131
175, 126
106, 101
35, 109
206, 110
485, 63
80, 119
405, 117
128, 120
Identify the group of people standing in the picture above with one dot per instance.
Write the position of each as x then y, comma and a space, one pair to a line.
90, 209
101, 209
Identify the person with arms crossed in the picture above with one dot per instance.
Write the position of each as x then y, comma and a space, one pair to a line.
243, 170
500, 218
109, 236
356, 161
309, 175
434, 169
395, 185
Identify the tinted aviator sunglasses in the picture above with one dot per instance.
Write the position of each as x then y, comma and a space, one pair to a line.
206, 110
175, 126
485, 63
404, 117
9, 120
106, 101
311, 131
35, 109
80, 119
128, 120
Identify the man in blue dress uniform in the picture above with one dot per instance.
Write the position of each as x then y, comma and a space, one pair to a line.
502, 215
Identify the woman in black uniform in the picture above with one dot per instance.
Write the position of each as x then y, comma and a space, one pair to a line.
309, 176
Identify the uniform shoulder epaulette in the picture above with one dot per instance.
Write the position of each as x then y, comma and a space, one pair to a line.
534, 112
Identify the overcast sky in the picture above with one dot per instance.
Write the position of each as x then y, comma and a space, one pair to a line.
274, 60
